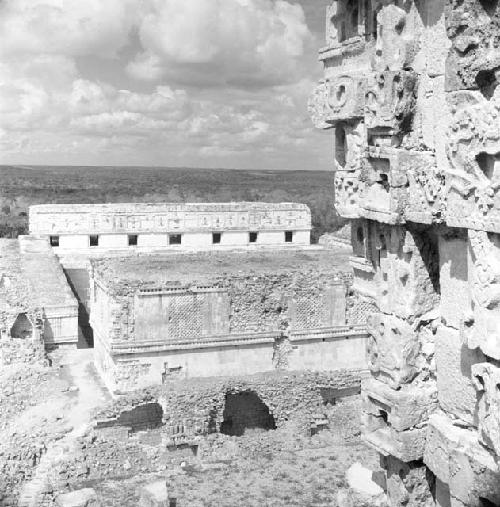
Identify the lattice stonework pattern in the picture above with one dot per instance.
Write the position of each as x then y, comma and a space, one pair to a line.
185, 316
310, 312
359, 311
180, 315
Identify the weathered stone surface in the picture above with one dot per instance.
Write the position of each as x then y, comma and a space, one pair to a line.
472, 27
154, 495
454, 361
393, 349
363, 491
405, 445
482, 328
80, 498
455, 456
221, 314
408, 483
424, 200
473, 183
455, 303
486, 378
403, 409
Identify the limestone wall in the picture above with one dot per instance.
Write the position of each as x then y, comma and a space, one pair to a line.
411, 93
213, 321
98, 228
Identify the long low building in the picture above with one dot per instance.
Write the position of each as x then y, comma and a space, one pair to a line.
97, 228
211, 314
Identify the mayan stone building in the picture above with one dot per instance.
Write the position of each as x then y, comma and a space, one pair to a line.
97, 229
157, 318
411, 93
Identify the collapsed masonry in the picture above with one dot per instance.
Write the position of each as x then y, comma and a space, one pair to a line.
37, 307
411, 91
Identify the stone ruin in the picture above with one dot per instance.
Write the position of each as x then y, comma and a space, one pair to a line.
411, 92
159, 318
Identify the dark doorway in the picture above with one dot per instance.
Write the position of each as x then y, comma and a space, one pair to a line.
245, 410
143, 417
22, 327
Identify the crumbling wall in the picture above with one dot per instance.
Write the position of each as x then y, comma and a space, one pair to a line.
256, 303
193, 421
412, 95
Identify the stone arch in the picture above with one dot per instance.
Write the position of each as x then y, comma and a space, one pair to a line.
245, 410
22, 327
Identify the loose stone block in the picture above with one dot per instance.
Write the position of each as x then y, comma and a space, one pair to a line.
407, 445
154, 495
86, 497
406, 408
455, 456
408, 483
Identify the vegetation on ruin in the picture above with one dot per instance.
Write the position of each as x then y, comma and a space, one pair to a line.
22, 186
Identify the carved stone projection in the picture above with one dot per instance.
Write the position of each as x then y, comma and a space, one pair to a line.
417, 170
472, 26
486, 378
481, 328
474, 152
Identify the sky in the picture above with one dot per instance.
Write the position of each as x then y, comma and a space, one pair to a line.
194, 83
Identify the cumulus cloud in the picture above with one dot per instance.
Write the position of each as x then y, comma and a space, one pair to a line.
69, 27
230, 42
218, 82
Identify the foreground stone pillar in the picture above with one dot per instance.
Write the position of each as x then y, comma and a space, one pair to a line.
411, 91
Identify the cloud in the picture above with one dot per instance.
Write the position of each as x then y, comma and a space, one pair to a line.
67, 27
221, 42
207, 82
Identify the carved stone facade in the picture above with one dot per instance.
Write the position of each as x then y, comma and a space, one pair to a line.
179, 316
95, 229
411, 93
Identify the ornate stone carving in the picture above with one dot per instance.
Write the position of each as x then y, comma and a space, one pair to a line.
318, 106
474, 154
390, 101
482, 327
336, 101
347, 193
486, 378
394, 49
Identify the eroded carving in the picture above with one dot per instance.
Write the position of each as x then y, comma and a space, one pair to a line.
486, 378
482, 327
474, 153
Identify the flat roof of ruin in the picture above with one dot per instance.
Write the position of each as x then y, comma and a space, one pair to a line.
31, 276
168, 207
156, 271
44, 274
